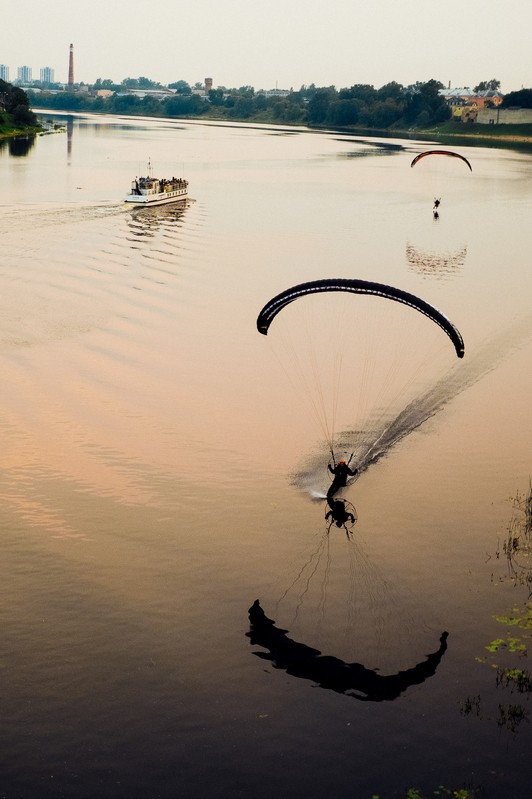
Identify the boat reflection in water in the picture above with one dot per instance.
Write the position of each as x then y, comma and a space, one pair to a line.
145, 221
352, 679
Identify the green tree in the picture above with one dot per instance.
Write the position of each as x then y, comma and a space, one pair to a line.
184, 105
318, 107
125, 104
106, 83
23, 116
424, 105
359, 91
284, 109
344, 112
216, 97
17, 104
140, 83
492, 85
294, 107
391, 90
181, 87
64, 101
151, 106
146, 83
99, 104
520, 99
386, 113
243, 108
261, 103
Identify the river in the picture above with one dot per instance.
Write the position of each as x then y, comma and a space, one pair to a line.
160, 472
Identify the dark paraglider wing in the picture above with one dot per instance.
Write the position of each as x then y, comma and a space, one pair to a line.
276, 304
440, 152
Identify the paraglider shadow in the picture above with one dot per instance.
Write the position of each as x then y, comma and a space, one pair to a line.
352, 679
341, 513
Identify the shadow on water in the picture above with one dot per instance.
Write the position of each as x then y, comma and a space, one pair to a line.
18, 146
370, 148
352, 679
341, 513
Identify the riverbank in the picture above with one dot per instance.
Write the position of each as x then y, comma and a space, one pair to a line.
504, 133
9, 133
448, 132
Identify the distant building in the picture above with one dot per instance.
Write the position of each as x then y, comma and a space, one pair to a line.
504, 116
208, 85
4, 72
465, 103
24, 74
488, 99
159, 94
47, 75
275, 92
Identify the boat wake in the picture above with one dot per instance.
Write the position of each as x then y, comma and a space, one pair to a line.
52, 215
370, 445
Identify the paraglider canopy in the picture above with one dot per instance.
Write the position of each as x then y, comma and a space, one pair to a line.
356, 286
440, 152
358, 353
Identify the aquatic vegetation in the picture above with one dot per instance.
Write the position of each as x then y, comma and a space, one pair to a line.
519, 619
520, 679
511, 644
470, 705
514, 643
441, 792
511, 716
517, 546
508, 676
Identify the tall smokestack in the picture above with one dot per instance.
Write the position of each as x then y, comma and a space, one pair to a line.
71, 68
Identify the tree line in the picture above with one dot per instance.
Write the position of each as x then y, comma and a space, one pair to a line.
393, 105
15, 112
360, 105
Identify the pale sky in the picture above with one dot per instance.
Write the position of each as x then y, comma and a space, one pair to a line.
286, 43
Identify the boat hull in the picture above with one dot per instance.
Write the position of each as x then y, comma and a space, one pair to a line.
163, 198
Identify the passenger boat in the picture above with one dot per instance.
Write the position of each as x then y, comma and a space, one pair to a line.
150, 191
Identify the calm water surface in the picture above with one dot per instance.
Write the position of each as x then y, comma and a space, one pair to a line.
160, 473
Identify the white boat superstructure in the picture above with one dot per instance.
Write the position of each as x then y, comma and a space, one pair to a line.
148, 191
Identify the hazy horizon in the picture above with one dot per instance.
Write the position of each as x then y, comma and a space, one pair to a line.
279, 45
